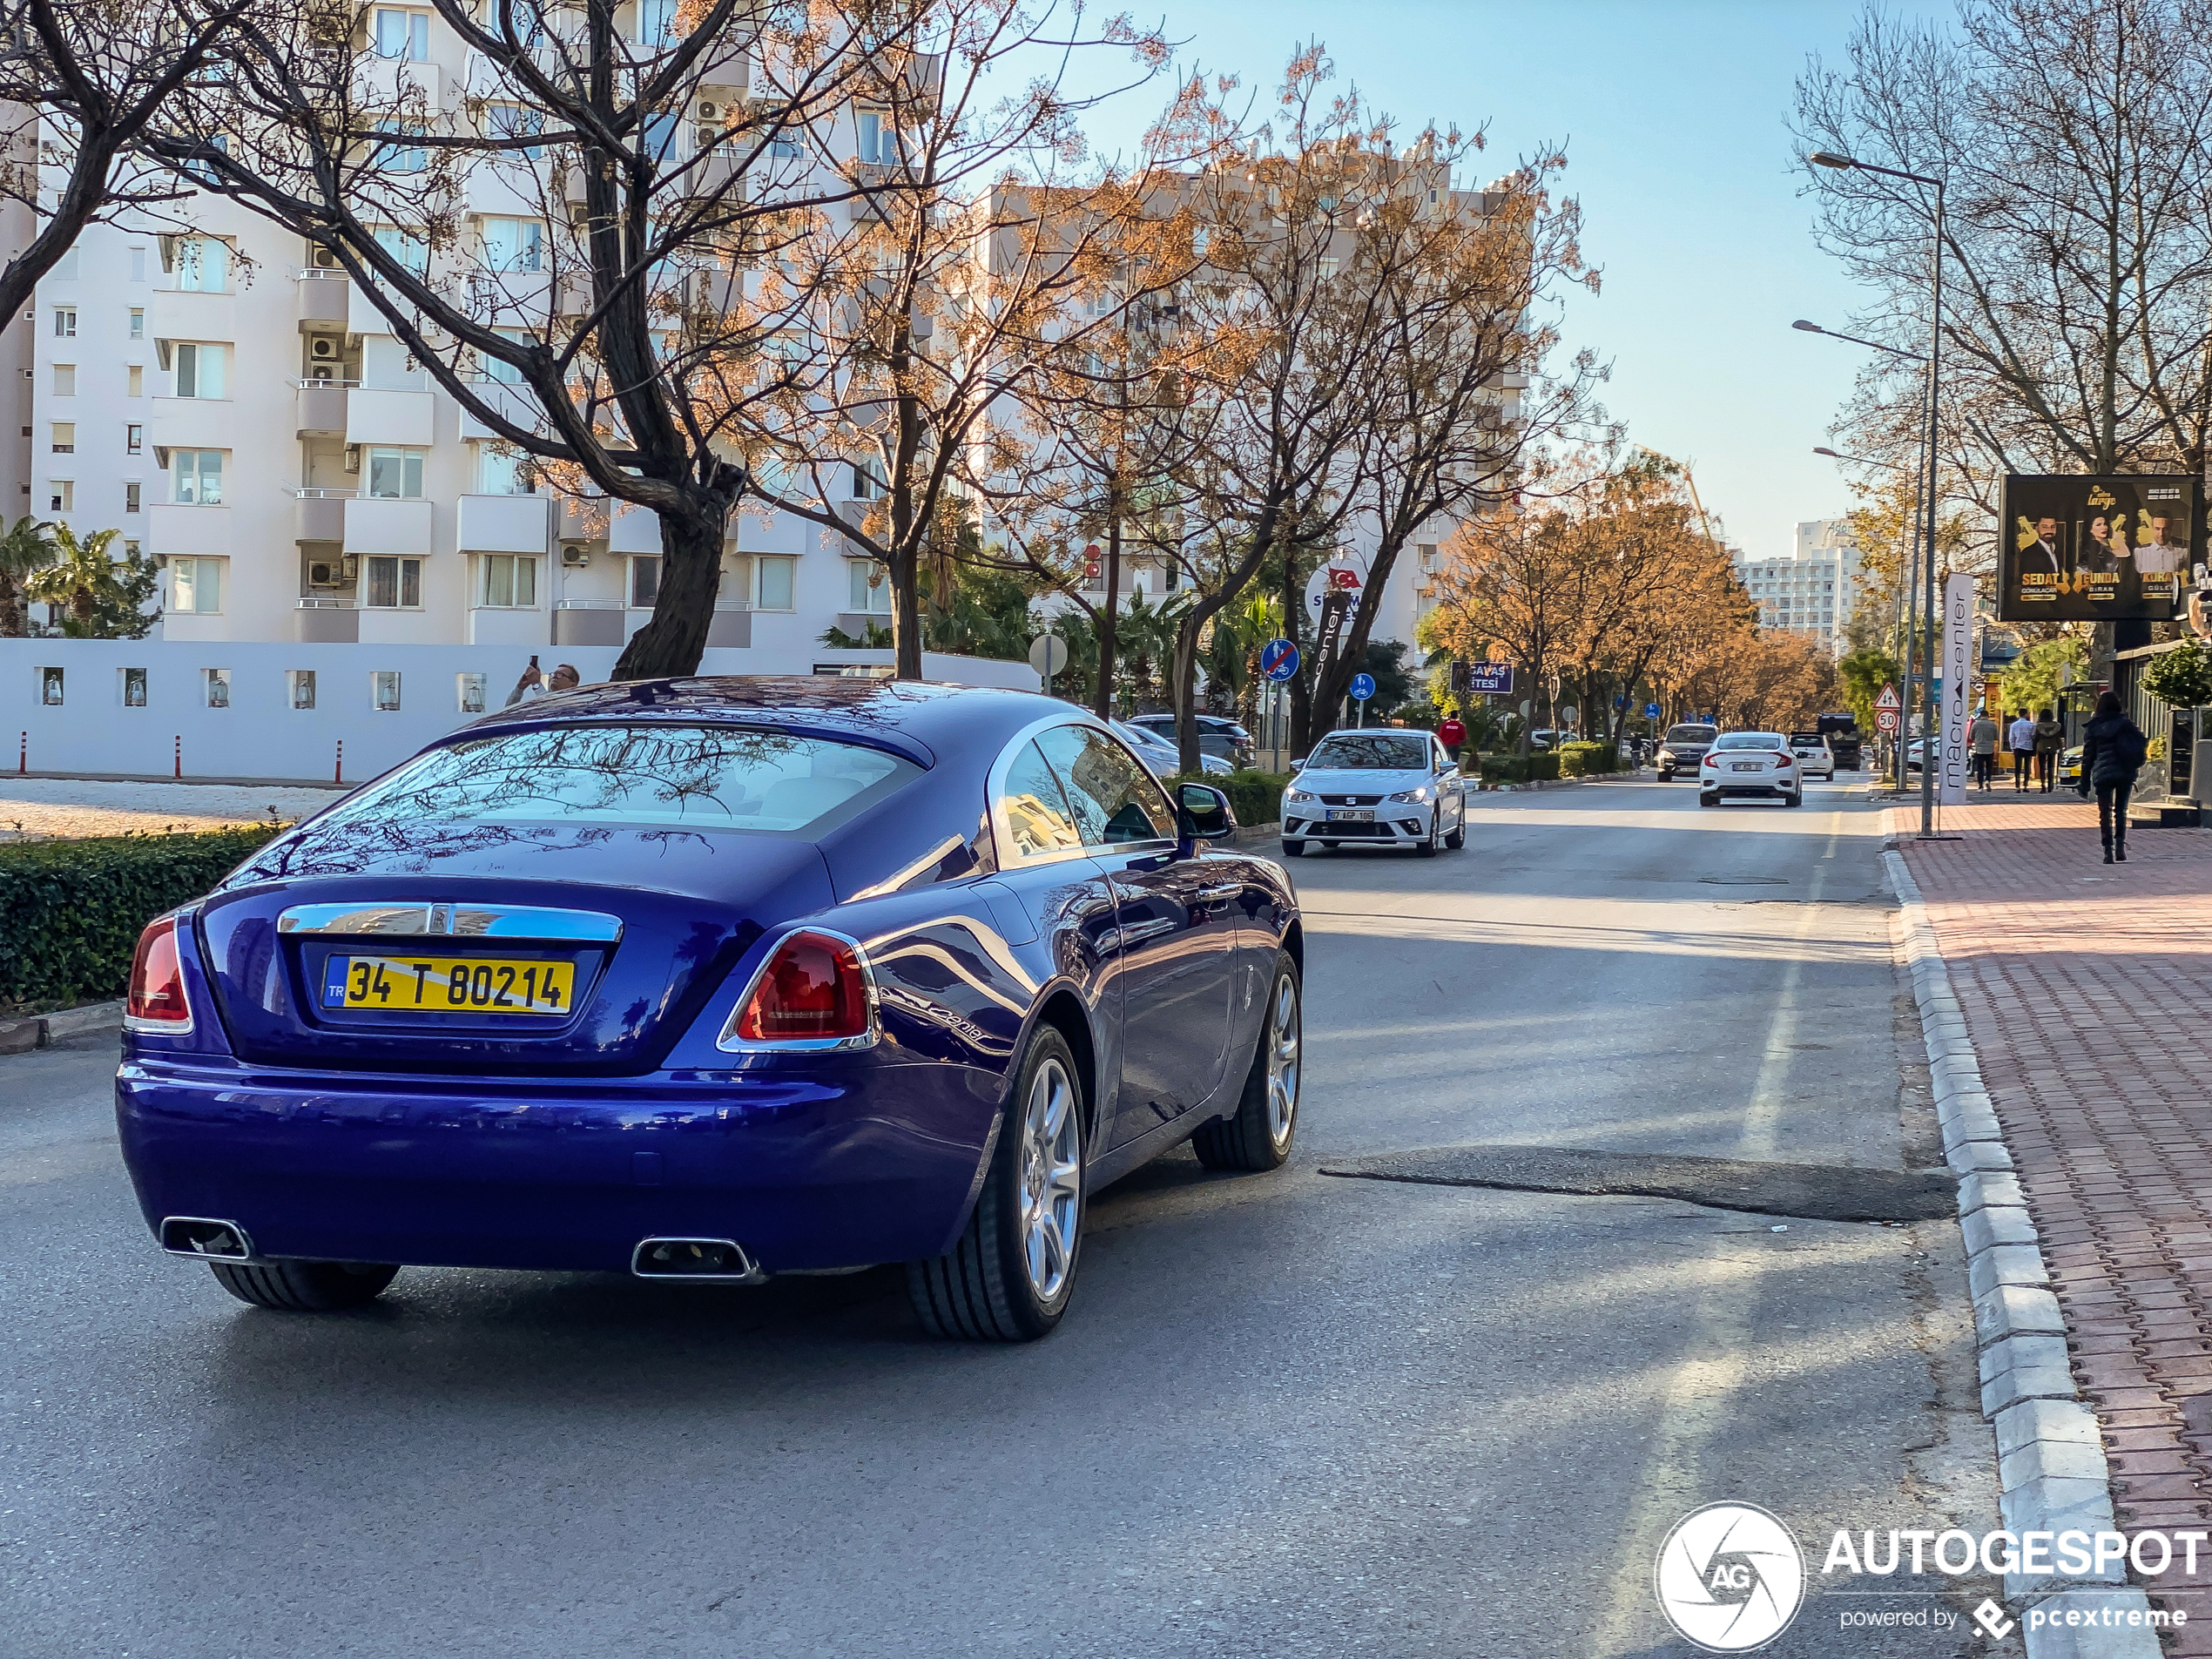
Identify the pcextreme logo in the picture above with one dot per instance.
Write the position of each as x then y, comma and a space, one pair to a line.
1729, 1577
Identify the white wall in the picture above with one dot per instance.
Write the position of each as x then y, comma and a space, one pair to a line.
260, 735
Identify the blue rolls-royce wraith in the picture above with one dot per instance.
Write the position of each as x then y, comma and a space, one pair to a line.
715, 979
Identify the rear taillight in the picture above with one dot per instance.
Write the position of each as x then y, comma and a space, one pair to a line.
158, 1001
1782, 760
814, 990
1712, 760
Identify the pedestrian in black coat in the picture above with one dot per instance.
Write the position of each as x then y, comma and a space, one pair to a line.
2113, 751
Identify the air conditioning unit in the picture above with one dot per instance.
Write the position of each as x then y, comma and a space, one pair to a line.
352, 457
574, 556
706, 111
323, 573
324, 373
323, 348
325, 260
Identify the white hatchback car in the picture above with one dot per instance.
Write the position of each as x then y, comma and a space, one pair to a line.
1392, 788
1750, 765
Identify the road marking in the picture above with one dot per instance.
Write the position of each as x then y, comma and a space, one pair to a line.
1701, 1392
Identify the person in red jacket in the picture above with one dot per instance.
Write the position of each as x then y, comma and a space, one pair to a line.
1452, 734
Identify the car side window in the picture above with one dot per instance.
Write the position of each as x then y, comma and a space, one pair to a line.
1116, 800
1035, 808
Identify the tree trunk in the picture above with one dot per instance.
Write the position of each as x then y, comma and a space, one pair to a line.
1102, 697
1183, 674
691, 575
905, 614
1300, 684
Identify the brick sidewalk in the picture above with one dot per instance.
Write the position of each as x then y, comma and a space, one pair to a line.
2088, 990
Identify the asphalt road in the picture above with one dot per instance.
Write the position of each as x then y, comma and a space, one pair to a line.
1291, 1414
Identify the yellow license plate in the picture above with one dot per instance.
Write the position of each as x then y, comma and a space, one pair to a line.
447, 984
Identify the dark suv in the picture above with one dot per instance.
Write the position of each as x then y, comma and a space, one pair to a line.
1683, 748
1842, 732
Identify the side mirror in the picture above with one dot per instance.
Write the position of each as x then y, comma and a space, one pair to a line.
1297, 763
1204, 812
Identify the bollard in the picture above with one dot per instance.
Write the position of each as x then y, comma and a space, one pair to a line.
180, 771
338, 772
22, 755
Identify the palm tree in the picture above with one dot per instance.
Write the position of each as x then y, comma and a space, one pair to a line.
84, 578
27, 548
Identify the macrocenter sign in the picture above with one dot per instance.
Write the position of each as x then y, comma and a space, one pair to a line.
2097, 546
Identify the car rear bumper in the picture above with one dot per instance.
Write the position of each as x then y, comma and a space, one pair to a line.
875, 1164
1750, 791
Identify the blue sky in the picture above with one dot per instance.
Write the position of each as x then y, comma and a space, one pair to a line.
1673, 116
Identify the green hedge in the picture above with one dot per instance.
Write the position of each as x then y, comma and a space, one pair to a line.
1512, 769
1587, 759
1255, 797
70, 912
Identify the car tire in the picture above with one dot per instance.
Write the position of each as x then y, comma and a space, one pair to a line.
1427, 849
1704, 799
1458, 838
1010, 1277
291, 1286
1797, 799
1258, 1135
1666, 776
1294, 849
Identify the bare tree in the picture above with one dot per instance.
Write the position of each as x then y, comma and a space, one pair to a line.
82, 83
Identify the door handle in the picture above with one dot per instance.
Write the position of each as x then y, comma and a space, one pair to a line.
1207, 896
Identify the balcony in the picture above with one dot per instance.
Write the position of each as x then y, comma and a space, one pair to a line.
324, 299
581, 518
193, 422
397, 84
319, 515
180, 529
375, 524
506, 625
635, 529
375, 414
518, 403
172, 313
321, 407
327, 621
590, 621
505, 524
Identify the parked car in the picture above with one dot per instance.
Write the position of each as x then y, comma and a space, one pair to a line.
2069, 767
1218, 735
1682, 748
1750, 765
715, 979
1160, 753
1813, 755
1395, 787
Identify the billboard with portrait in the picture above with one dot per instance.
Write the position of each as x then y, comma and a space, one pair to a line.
2087, 547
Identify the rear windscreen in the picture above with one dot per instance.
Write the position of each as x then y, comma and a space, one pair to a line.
697, 777
1690, 734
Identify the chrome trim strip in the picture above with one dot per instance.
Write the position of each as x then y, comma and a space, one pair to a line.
451, 921
730, 1043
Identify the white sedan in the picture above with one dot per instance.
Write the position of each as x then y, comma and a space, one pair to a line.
1750, 765
1390, 788
1814, 758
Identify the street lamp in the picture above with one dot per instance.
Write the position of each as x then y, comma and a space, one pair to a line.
1901, 625
1829, 159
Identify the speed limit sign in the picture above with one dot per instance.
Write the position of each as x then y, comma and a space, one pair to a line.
1886, 719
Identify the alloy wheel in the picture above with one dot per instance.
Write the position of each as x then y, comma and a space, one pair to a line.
1051, 1180
1282, 1062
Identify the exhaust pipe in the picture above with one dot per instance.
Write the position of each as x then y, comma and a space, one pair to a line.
202, 1239
721, 1261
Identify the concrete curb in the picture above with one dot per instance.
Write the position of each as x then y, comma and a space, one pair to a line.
2051, 1469
44, 1030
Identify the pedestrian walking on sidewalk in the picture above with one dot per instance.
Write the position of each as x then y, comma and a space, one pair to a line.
2019, 738
2050, 738
1983, 739
2113, 751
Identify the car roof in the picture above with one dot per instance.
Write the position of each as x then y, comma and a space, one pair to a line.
921, 719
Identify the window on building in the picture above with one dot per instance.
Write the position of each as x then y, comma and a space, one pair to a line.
513, 121
865, 486
196, 586
403, 35
65, 437
64, 322
202, 264
134, 688
49, 686
215, 687
513, 244
64, 380
134, 497
384, 690
395, 474
656, 22
879, 136
393, 583
644, 581
498, 368
201, 169
770, 583
510, 579
61, 495
134, 439
196, 476
868, 586
200, 369
138, 322
300, 687
137, 381
137, 265
397, 154
410, 248
468, 690
502, 471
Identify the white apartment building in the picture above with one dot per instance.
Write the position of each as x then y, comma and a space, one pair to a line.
1811, 588
237, 411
